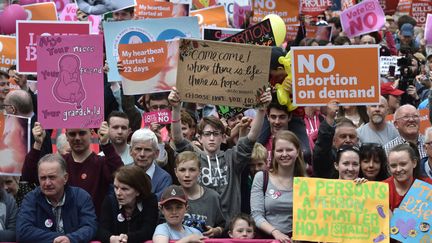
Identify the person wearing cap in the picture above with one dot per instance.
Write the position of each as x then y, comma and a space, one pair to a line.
173, 205
377, 130
392, 95
406, 37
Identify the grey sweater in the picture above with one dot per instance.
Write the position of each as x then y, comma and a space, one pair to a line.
222, 173
206, 208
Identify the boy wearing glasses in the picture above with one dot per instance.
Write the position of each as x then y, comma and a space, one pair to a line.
220, 170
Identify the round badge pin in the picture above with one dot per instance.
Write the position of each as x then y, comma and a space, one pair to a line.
83, 176
48, 223
120, 217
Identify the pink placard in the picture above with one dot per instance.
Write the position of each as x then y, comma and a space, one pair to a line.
69, 14
361, 18
70, 80
27, 31
161, 117
428, 30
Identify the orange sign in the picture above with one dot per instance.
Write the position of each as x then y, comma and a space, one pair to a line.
288, 10
41, 11
212, 16
325, 73
142, 61
7, 52
424, 120
146, 9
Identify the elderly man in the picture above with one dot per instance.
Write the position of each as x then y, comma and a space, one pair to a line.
377, 130
144, 150
407, 122
55, 212
426, 162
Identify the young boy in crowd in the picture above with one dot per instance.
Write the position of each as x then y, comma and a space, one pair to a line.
242, 226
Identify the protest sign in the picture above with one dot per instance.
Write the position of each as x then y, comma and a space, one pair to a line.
102, 7
412, 220
197, 4
216, 33
7, 52
424, 120
386, 62
389, 6
241, 16
288, 10
70, 80
141, 31
428, 30
420, 9
148, 67
314, 7
69, 13
260, 34
364, 17
145, 9
228, 112
15, 140
211, 16
404, 7
60, 4
41, 11
162, 117
291, 32
27, 31
322, 74
222, 73
319, 32
340, 211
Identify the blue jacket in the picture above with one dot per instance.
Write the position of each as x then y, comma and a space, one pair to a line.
36, 221
161, 180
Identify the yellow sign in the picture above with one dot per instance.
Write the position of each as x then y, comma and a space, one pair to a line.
340, 211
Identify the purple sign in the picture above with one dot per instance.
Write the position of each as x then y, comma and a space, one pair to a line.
70, 80
428, 30
361, 18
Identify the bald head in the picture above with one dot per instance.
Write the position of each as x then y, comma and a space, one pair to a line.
20, 102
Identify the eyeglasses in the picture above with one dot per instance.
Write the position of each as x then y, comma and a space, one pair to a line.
160, 107
407, 118
209, 133
80, 133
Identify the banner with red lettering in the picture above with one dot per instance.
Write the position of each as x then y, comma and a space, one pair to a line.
364, 17
314, 7
288, 10
420, 9
26, 39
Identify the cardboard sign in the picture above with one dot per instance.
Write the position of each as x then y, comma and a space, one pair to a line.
162, 117
102, 7
141, 31
15, 140
259, 34
7, 52
340, 211
386, 62
69, 14
315, 7
149, 67
322, 74
216, 33
364, 17
27, 31
222, 73
70, 80
412, 220
152, 9
288, 10
428, 30
212, 16
424, 120
420, 9
41, 11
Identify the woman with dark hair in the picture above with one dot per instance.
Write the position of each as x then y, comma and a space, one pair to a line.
403, 162
347, 162
131, 214
373, 162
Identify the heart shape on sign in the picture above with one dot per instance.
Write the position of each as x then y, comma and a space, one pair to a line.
405, 226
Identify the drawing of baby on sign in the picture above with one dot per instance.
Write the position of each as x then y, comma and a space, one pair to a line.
69, 88
70, 69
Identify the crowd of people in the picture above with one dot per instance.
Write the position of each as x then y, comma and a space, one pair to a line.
205, 175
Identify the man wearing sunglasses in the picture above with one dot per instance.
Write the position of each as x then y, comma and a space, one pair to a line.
86, 169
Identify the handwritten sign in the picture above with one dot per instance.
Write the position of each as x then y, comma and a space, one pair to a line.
411, 222
211, 16
69, 13
364, 17
161, 117
27, 31
260, 34
41, 11
70, 72
222, 73
322, 74
149, 67
152, 9
428, 30
7, 52
340, 211
288, 10
216, 33
15, 140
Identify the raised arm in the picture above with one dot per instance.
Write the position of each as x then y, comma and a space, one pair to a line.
257, 124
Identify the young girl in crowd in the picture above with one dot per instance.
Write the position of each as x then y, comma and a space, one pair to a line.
242, 226
403, 163
273, 215
173, 205
373, 162
204, 211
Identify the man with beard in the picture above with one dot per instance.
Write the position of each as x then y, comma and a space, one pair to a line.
377, 130
407, 122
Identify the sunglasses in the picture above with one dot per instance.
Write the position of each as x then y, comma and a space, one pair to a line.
344, 148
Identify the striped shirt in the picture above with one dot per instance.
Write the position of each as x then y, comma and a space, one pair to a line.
400, 140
